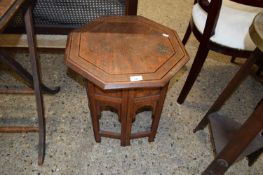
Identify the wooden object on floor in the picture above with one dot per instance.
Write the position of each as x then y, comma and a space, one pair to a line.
245, 141
127, 102
7, 10
128, 62
223, 128
215, 26
241, 141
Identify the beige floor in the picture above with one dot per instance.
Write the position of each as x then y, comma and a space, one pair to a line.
71, 148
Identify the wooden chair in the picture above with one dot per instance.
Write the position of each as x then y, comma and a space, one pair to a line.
8, 10
232, 140
221, 26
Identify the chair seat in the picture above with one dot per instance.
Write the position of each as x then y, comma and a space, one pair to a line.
233, 24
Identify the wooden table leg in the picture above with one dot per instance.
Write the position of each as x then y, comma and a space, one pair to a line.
230, 88
238, 143
36, 80
127, 126
93, 111
157, 113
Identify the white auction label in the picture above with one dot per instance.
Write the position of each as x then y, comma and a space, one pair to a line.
165, 35
136, 78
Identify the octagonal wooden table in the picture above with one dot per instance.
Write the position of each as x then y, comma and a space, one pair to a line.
128, 62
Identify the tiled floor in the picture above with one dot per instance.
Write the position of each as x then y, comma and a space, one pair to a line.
71, 148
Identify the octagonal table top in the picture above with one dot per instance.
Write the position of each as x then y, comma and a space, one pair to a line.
125, 52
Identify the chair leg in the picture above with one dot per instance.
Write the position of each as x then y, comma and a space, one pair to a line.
194, 72
36, 82
230, 88
240, 140
187, 34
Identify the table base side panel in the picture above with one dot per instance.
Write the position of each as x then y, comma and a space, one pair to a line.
126, 103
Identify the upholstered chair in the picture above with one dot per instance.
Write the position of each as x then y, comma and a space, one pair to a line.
221, 26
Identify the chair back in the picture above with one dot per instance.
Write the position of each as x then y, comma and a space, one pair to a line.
71, 14
213, 8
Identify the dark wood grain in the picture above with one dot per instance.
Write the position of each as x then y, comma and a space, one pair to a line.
110, 50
